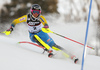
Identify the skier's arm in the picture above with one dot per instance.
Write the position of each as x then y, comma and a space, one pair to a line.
46, 27
44, 22
19, 20
16, 21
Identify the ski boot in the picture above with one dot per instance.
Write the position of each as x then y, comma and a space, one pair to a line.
49, 51
45, 50
50, 55
75, 59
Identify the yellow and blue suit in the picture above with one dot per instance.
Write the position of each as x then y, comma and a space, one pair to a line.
36, 34
34, 28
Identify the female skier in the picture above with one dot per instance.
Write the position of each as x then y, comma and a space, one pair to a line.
36, 22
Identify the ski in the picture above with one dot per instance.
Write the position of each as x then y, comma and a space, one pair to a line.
50, 51
73, 57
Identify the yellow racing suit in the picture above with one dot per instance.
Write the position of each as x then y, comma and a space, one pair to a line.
34, 28
35, 32
34, 25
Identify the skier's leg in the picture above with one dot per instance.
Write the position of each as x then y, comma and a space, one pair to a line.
35, 38
37, 41
46, 38
42, 39
47, 47
41, 42
57, 48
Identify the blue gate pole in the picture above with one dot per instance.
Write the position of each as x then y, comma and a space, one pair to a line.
84, 50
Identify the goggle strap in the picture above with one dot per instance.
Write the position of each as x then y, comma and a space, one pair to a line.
36, 10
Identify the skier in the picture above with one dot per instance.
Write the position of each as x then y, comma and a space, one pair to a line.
36, 22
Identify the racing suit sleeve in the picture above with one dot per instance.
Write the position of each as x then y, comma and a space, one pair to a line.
43, 20
19, 20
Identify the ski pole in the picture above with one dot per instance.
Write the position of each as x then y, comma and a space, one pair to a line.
72, 40
6, 32
49, 31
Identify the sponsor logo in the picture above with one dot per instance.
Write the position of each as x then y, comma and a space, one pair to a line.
42, 19
48, 40
33, 23
22, 19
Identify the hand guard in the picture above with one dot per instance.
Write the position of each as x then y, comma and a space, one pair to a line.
46, 30
8, 31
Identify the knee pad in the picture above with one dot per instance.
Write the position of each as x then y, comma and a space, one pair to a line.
37, 41
37, 38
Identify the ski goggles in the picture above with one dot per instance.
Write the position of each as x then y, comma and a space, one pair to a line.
36, 11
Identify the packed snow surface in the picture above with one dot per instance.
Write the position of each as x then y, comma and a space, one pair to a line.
15, 56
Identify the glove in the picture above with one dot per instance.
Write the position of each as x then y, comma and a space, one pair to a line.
46, 26
8, 31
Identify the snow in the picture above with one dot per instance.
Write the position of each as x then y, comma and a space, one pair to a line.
15, 56
78, 9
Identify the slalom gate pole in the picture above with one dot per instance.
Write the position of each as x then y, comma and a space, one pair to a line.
72, 40
84, 50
